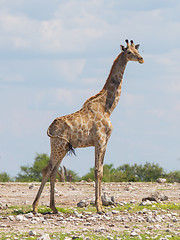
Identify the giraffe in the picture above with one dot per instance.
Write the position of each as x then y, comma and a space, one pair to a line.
90, 126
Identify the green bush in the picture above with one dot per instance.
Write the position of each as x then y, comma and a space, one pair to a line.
4, 177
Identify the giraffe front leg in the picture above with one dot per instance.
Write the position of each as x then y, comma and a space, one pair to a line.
98, 198
52, 185
99, 158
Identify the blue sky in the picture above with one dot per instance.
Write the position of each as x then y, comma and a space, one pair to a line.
55, 55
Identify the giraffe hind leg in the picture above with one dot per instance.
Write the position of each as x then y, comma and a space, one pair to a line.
46, 174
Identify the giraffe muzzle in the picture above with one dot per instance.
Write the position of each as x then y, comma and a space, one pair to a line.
141, 60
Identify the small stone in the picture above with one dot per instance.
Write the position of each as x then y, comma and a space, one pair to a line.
21, 218
150, 227
133, 234
145, 203
111, 225
110, 238
174, 219
32, 233
29, 215
161, 180
11, 218
31, 186
115, 212
44, 237
3, 206
82, 204
100, 230
158, 218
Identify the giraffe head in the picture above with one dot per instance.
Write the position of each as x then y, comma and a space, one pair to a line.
131, 52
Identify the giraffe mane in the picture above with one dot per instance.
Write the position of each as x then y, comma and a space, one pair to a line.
102, 92
95, 97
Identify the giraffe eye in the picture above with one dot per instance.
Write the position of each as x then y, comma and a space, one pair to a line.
129, 52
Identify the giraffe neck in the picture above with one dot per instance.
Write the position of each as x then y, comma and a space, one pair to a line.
113, 84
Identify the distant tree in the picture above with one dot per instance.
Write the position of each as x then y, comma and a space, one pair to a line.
4, 177
108, 173
128, 173
125, 173
89, 175
34, 173
173, 176
148, 172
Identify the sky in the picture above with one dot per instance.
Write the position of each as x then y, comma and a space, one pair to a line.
56, 54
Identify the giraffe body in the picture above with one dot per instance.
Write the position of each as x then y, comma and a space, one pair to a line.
90, 126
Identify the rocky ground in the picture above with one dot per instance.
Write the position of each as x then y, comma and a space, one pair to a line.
125, 217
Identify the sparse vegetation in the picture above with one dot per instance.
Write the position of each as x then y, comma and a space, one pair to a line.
149, 172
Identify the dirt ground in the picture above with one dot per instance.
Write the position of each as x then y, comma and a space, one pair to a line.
117, 222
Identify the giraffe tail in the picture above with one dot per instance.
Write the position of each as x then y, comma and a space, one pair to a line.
71, 150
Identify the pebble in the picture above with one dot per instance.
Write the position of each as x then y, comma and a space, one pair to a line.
114, 212
29, 215
3, 206
11, 218
82, 204
31, 186
21, 218
100, 230
44, 237
134, 234
32, 233
110, 238
161, 180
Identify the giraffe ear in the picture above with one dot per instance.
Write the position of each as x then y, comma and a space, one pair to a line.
137, 46
122, 48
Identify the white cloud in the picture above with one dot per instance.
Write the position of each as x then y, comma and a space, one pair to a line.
59, 34
70, 69
15, 78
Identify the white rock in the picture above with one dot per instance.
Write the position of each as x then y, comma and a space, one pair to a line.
161, 180
100, 230
44, 237
3, 206
21, 218
29, 215
158, 218
133, 234
110, 238
114, 211
11, 218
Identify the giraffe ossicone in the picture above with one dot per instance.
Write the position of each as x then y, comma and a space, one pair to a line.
90, 126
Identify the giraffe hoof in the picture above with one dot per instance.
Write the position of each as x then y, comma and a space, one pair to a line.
55, 211
35, 211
